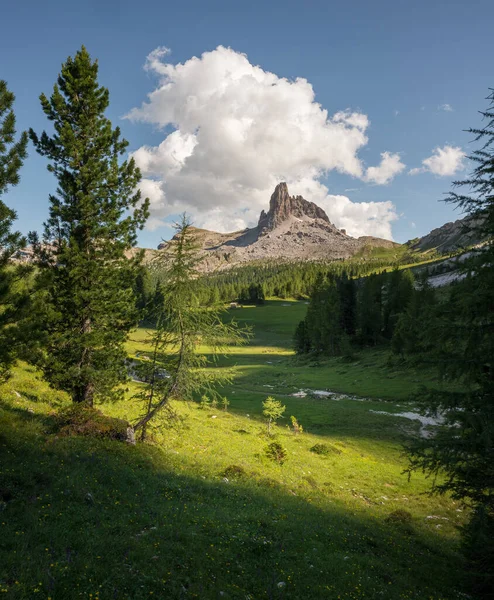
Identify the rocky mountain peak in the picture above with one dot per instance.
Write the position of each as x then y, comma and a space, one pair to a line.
282, 206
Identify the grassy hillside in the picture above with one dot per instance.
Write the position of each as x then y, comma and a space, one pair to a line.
202, 512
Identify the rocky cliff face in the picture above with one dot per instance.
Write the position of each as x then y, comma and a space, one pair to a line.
452, 236
292, 229
282, 206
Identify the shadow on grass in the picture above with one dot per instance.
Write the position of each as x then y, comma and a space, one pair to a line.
82, 516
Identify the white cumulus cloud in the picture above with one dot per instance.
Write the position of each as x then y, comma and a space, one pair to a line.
390, 166
237, 131
445, 107
445, 161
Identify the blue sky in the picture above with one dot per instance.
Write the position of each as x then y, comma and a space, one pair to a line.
405, 78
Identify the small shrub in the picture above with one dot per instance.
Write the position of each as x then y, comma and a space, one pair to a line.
205, 402
214, 403
325, 449
400, 516
276, 452
80, 419
234, 472
225, 403
296, 427
272, 410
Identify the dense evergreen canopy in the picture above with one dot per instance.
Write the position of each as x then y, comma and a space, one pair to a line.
12, 155
460, 336
86, 274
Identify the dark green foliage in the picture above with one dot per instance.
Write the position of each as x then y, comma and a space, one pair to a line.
399, 516
254, 294
234, 472
370, 310
253, 282
410, 334
12, 155
143, 290
398, 294
301, 340
12, 152
325, 449
323, 319
345, 313
81, 419
86, 299
323, 330
478, 548
276, 452
347, 291
461, 335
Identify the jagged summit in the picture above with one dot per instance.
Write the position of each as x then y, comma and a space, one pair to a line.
292, 229
282, 206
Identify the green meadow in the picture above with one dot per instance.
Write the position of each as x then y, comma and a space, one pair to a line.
202, 512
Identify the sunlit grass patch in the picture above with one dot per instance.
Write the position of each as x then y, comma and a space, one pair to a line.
202, 511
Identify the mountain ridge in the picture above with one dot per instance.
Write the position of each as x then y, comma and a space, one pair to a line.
292, 229
295, 229
454, 235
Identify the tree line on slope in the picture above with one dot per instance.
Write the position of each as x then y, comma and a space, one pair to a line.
253, 283
385, 308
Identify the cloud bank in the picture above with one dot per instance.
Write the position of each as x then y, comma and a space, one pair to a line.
237, 131
444, 162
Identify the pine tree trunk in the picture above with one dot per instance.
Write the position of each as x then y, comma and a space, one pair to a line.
88, 397
86, 393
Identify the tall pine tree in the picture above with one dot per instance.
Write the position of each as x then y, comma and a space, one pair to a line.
12, 155
370, 310
463, 334
87, 278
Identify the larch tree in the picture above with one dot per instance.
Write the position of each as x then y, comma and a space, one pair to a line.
12, 155
86, 274
189, 336
272, 410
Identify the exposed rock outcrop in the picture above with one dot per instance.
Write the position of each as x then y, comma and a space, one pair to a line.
282, 206
292, 229
452, 236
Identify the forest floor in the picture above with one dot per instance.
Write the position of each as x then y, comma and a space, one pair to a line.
202, 512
